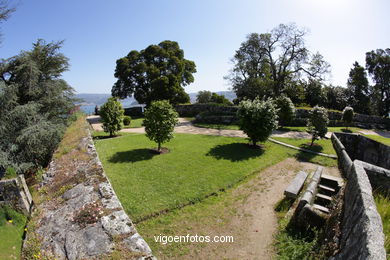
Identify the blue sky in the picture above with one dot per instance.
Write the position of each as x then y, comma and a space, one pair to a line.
98, 32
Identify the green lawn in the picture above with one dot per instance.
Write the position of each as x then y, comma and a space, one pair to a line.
383, 206
11, 232
196, 167
135, 123
330, 129
380, 139
321, 146
217, 126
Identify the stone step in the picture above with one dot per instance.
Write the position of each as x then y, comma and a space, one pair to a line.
321, 208
331, 181
326, 190
296, 185
322, 199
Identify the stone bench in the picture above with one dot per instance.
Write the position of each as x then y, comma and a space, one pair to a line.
296, 185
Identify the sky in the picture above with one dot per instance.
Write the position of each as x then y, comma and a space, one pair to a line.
98, 32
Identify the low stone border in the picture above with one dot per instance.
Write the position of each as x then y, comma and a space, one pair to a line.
302, 149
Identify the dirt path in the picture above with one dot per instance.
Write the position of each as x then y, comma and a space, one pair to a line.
255, 222
186, 127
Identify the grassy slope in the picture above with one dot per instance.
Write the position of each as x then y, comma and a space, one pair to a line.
322, 146
197, 166
11, 233
217, 126
383, 206
380, 139
135, 123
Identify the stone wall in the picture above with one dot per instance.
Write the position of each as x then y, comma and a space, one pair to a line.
80, 216
362, 232
365, 149
14, 193
301, 117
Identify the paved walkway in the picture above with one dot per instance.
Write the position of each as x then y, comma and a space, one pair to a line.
186, 127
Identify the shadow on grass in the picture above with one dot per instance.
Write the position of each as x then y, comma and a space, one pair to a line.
235, 152
344, 130
101, 137
315, 147
135, 155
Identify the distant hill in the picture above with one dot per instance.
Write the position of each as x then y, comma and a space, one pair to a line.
100, 99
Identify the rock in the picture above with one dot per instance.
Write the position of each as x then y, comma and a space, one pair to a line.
117, 223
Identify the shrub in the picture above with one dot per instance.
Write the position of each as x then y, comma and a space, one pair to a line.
160, 120
348, 116
257, 119
286, 111
317, 123
112, 116
126, 120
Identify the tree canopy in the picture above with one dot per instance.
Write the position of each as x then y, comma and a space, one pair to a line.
266, 63
35, 105
112, 116
358, 89
158, 72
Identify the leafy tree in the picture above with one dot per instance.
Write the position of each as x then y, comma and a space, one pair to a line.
335, 97
266, 63
5, 11
317, 124
358, 89
160, 120
286, 110
348, 115
158, 72
203, 97
257, 119
127, 120
378, 66
314, 93
112, 116
35, 105
220, 99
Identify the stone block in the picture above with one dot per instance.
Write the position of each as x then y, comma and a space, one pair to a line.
296, 185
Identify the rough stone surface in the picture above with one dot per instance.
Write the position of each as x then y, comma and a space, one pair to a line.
296, 185
65, 233
15, 193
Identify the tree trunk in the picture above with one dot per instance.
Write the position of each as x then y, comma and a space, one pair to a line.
312, 141
254, 143
159, 147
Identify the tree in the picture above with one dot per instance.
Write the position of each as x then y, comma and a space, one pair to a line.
286, 110
5, 12
314, 94
358, 89
158, 72
220, 99
317, 124
348, 116
160, 120
203, 97
335, 97
112, 116
35, 105
266, 63
378, 66
257, 119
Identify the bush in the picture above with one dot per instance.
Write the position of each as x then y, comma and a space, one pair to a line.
160, 120
348, 116
112, 116
317, 123
126, 120
257, 119
286, 111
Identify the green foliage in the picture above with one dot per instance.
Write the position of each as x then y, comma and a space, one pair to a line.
257, 119
314, 93
383, 206
317, 125
160, 120
265, 64
335, 97
358, 90
348, 115
35, 105
158, 72
220, 99
378, 66
10, 173
112, 116
203, 97
286, 110
126, 120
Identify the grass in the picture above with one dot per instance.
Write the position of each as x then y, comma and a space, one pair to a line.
380, 139
383, 206
321, 146
196, 167
136, 122
12, 226
217, 126
330, 129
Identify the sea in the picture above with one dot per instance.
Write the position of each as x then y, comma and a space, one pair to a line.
88, 109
